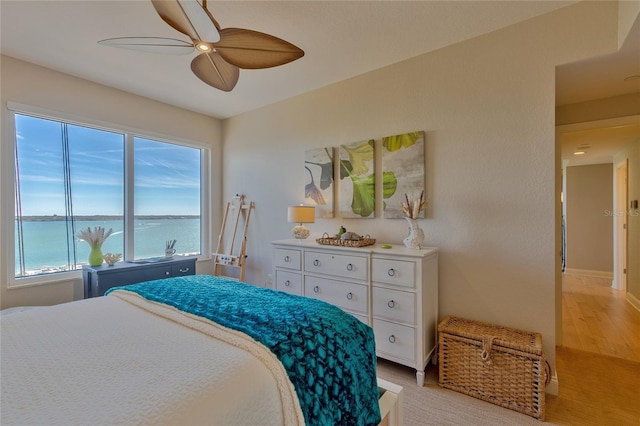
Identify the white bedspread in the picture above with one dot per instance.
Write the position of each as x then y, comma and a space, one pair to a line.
109, 361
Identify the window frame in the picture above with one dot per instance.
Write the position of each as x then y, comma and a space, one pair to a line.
7, 167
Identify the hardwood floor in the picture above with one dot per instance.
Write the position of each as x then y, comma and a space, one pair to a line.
599, 362
595, 390
598, 319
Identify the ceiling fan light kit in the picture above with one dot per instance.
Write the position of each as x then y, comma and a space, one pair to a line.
222, 51
203, 47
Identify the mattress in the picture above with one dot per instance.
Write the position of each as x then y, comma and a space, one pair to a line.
106, 361
188, 350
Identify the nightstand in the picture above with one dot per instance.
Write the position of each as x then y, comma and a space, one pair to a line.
99, 279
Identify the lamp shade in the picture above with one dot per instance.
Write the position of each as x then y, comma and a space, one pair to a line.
301, 214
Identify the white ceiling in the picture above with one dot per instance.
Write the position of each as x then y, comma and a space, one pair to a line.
600, 78
341, 39
599, 143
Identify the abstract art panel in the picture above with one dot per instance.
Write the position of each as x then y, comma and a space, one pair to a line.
318, 189
357, 180
403, 171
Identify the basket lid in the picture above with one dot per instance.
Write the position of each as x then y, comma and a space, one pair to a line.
523, 340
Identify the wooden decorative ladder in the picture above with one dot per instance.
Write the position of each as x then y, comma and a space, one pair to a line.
225, 257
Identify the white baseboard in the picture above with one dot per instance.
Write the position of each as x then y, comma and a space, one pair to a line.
553, 387
589, 273
614, 285
634, 301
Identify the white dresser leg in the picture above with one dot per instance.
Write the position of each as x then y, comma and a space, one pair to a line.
420, 377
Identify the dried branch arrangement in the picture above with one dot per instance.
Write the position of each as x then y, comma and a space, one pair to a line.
413, 205
95, 237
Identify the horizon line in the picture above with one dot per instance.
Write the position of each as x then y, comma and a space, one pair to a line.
61, 218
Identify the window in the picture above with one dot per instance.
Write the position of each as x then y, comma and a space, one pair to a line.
167, 180
69, 177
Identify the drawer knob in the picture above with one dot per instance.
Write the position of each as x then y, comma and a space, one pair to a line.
391, 304
286, 259
287, 283
392, 338
167, 274
350, 296
183, 270
316, 262
316, 289
350, 267
391, 272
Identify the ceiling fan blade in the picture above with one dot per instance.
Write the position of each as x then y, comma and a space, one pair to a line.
168, 46
252, 49
215, 71
189, 17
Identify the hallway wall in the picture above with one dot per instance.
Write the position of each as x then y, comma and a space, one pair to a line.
632, 153
588, 197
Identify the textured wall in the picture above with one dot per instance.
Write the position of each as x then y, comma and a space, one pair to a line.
487, 106
589, 196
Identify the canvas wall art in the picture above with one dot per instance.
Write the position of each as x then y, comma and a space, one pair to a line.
356, 187
403, 171
319, 187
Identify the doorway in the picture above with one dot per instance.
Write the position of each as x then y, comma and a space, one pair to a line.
593, 314
620, 235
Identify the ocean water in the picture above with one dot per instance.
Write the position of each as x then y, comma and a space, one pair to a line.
46, 248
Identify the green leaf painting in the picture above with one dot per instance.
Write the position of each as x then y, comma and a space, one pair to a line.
394, 143
403, 157
389, 185
357, 194
318, 189
363, 201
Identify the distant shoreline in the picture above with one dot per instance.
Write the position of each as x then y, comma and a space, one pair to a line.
56, 218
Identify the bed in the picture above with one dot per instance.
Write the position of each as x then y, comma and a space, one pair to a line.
191, 350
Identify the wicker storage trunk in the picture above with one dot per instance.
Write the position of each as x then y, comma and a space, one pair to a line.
497, 364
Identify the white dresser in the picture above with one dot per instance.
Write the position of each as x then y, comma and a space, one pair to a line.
393, 290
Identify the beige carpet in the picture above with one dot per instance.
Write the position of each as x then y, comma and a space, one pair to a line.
433, 405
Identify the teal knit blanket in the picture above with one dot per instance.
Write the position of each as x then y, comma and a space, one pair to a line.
328, 354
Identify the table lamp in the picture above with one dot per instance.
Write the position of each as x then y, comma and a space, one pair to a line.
301, 214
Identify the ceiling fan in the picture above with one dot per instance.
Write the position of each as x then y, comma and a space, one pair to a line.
223, 51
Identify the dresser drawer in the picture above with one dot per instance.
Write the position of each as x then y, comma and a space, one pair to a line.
341, 265
289, 282
394, 305
348, 296
395, 339
286, 258
184, 268
391, 271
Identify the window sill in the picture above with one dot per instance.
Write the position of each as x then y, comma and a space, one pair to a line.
39, 280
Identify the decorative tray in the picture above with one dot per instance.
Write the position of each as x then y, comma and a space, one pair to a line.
333, 241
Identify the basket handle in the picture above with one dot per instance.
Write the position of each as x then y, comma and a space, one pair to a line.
487, 344
547, 371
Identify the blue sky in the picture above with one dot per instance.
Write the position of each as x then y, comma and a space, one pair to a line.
167, 177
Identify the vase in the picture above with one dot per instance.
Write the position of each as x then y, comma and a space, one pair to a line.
95, 257
416, 236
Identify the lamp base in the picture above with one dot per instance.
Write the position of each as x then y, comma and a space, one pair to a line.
300, 232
